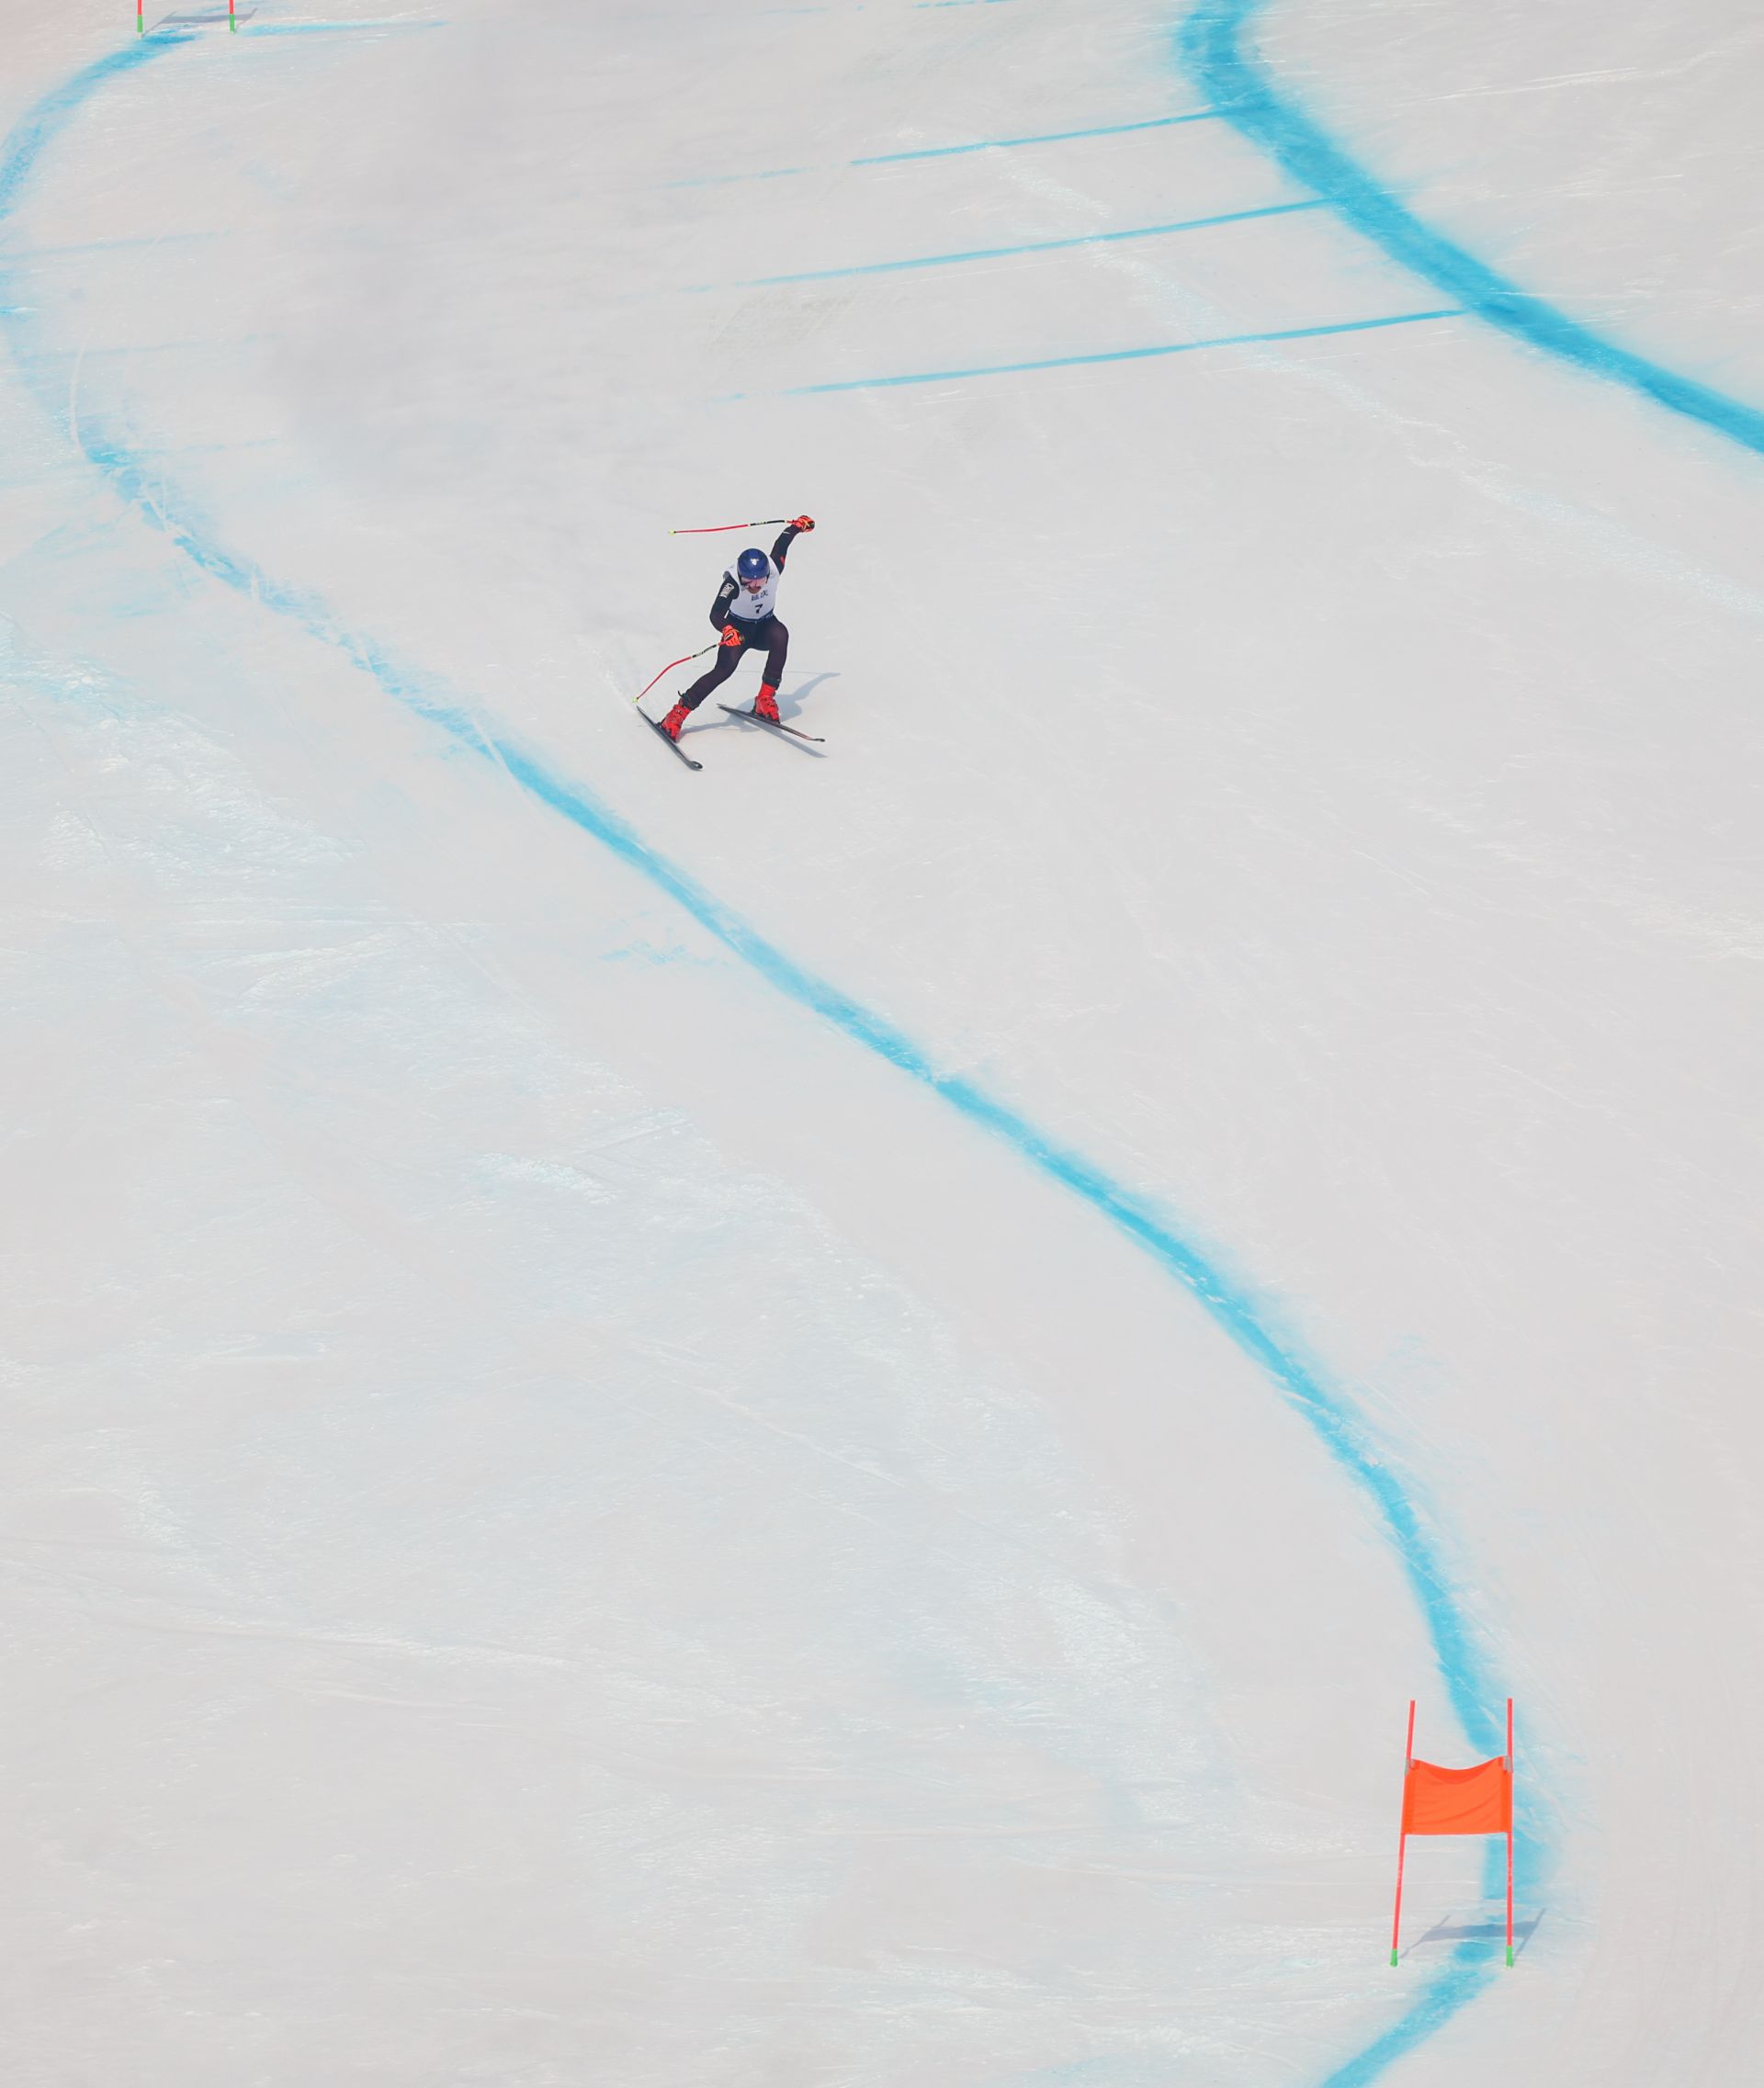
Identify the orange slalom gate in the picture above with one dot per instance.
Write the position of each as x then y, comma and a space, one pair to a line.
1436, 1801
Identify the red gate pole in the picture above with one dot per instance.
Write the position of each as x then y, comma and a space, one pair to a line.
1509, 1830
1402, 1838
232, 19
141, 17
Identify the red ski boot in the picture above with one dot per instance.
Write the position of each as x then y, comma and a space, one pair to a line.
766, 705
673, 721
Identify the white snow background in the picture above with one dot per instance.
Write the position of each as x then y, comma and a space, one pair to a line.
564, 1520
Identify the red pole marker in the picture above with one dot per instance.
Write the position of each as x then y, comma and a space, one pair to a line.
721, 528
1402, 1838
671, 665
1509, 1831
141, 17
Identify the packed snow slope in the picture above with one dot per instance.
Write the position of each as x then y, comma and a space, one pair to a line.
808, 1425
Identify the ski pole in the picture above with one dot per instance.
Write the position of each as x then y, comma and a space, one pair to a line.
671, 665
721, 528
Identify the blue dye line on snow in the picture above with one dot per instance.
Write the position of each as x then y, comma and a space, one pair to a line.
1112, 355
1028, 246
952, 152
26, 141
1246, 1322
1452, 1988
1043, 138
1211, 42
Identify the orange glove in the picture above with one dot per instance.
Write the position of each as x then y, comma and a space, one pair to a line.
731, 636
804, 522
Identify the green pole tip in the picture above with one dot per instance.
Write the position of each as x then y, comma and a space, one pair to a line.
1393, 1956
1509, 1953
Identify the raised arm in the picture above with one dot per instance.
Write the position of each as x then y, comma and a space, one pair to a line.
799, 527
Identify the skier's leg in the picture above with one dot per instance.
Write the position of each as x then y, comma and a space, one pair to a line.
714, 677
686, 703
765, 704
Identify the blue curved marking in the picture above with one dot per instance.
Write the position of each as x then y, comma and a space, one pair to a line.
1247, 1320
1238, 85
28, 138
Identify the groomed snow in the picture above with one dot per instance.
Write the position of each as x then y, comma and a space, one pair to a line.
593, 1495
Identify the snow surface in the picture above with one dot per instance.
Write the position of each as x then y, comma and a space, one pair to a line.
808, 1425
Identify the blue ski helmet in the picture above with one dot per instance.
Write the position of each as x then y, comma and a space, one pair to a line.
753, 565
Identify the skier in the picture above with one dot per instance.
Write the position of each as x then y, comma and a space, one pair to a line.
742, 613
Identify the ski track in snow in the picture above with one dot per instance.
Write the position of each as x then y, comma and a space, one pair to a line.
1243, 96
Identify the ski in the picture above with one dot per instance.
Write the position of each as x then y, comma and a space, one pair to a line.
753, 717
671, 740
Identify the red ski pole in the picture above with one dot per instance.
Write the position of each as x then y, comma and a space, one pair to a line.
721, 528
671, 665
